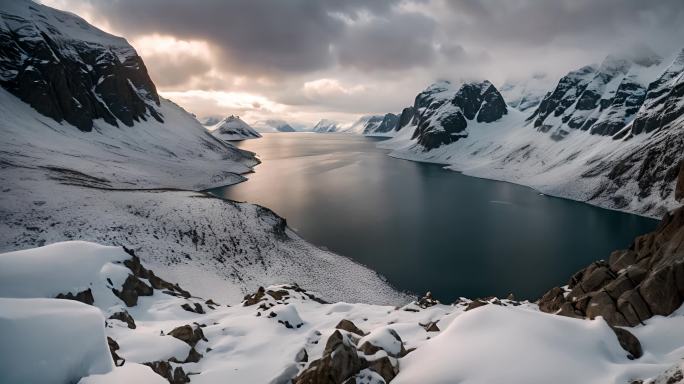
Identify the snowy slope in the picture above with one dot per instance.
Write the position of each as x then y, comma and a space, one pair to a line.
284, 333
580, 143
122, 184
233, 128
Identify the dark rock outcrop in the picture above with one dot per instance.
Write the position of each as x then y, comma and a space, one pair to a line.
131, 289
113, 347
349, 326
340, 361
189, 334
125, 317
443, 113
46, 63
166, 370
85, 297
628, 342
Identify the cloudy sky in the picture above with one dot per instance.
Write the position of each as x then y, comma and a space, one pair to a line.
303, 60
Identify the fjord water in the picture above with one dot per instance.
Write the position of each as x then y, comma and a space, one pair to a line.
426, 228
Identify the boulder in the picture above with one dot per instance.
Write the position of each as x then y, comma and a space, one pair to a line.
384, 367
349, 326
165, 370
131, 290
113, 347
125, 317
189, 334
660, 292
552, 300
340, 361
475, 304
628, 342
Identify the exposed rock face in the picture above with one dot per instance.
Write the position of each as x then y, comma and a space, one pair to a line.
443, 112
125, 317
645, 280
342, 362
664, 100
604, 100
349, 326
113, 347
83, 296
189, 334
165, 370
406, 117
381, 125
68, 75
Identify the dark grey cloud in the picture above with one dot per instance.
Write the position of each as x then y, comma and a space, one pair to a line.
399, 41
252, 35
584, 23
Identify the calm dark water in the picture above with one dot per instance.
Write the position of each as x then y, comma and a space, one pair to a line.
425, 228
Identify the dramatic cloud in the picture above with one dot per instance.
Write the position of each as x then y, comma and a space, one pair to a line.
304, 60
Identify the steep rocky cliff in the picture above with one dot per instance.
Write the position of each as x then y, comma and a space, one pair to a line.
71, 71
444, 111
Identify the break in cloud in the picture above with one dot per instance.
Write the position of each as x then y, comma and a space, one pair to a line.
304, 60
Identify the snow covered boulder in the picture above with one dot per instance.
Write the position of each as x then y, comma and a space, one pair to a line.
498, 344
51, 341
64, 268
129, 373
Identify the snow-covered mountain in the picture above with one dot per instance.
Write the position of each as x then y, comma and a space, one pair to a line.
71, 71
273, 125
134, 185
526, 94
602, 99
232, 128
381, 125
326, 126
610, 135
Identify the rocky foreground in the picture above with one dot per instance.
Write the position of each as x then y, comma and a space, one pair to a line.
97, 314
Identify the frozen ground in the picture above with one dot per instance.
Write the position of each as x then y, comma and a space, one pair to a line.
280, 333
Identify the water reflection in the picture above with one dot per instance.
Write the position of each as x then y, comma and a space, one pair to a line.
425, 228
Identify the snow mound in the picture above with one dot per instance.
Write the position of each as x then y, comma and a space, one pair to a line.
509, 345
68, 267
129, 373
51, 341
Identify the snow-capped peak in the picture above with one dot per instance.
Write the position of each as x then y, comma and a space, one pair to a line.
233, 128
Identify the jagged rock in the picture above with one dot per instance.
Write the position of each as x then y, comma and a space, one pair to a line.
628, 342
406, 117
133, 288
660, 292
70, 79
369, 348
125, 317
633, 307
430, 327
165, 370
552, 300
113, 347
383, 367
601, 304
188, 334
475, 304
340, 361
195, 308
427, 301
139, 271
349, 326
254, 298
83, 296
